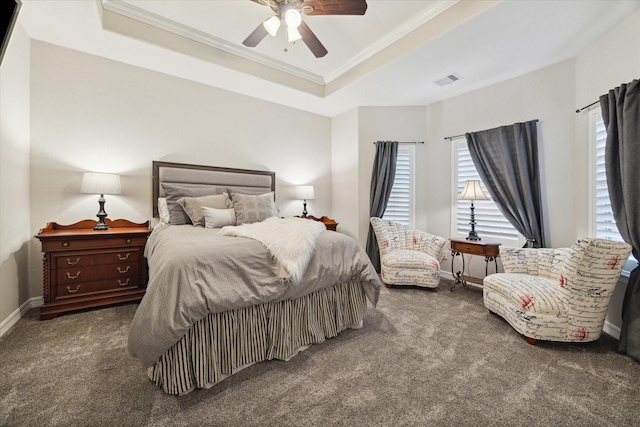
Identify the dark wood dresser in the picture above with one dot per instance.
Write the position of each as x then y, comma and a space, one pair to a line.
84, 268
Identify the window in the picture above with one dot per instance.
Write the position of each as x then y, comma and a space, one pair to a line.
491, 225
400, 206
603, 225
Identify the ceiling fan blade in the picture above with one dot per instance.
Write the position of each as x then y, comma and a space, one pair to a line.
256, 36
334, 7
311, 41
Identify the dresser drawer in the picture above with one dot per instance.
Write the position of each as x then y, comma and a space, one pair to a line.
64, 244
98, 272
84, 259
73, 290
467, 248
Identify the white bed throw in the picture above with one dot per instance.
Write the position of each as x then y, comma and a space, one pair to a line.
291, 241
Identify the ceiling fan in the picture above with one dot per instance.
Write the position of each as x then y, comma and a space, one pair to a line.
290, 11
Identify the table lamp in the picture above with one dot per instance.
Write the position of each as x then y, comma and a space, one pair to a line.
472, 191
305, 192
101, 183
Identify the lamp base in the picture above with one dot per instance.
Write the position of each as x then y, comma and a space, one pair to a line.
101, 225
101, 215
304, 209
473, 235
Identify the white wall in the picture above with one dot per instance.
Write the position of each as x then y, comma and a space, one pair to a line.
344, 172
93, 114
15, 231
546, 95
353, 151
386, 124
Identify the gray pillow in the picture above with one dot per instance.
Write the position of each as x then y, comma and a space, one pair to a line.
193, 206
253, 208
250, 191
173, 192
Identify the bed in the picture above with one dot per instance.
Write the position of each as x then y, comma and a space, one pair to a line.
216, 302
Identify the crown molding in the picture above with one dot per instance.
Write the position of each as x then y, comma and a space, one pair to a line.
130, 11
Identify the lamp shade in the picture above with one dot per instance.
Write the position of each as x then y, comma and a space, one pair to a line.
271, 25
305, 192
472, 191
101, 183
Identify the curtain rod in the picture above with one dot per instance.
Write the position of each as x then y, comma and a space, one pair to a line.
405, 142
460, 136
584, 108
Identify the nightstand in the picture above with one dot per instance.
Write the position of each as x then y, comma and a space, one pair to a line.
328, 222
490, 251
84, 268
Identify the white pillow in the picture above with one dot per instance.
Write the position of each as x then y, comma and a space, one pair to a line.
218, 218
163, 210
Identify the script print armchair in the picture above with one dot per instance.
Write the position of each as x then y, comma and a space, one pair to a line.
557, 294
407, 256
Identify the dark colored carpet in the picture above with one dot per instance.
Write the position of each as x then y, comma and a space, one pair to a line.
422, 358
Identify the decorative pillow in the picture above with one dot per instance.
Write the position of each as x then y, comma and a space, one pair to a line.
173, 192
218, 218
163, 210
253, 208
193, 206
256, 192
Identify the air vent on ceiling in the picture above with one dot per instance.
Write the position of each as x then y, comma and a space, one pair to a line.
446, 80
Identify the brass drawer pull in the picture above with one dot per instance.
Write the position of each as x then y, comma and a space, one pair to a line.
123, 284
123, 258
73, 277
65, 244
128, 241
121, 271
73, 262
73, 291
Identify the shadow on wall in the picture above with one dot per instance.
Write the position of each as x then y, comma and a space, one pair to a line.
14, 280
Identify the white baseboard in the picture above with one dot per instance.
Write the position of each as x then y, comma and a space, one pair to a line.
446, 274
611, 329
13, 318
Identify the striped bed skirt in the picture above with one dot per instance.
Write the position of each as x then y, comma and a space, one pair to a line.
222, 344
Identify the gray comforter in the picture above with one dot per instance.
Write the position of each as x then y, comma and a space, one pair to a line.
194, 271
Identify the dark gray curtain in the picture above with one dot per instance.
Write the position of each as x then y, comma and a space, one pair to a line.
507, 161
621, 114
382, 176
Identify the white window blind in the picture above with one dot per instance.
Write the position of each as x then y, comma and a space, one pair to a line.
400, 206
603, 224
491, 225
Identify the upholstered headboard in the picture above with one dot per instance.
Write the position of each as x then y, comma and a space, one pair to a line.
195, 175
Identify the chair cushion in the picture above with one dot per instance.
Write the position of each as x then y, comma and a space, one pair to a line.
530, 294
404, 258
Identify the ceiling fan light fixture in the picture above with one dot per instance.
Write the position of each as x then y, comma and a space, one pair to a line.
292, 18
271, 25
293, 34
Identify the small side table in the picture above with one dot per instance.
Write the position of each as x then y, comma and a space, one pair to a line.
490, 250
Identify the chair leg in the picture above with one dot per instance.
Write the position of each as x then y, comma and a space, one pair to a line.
531, 341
